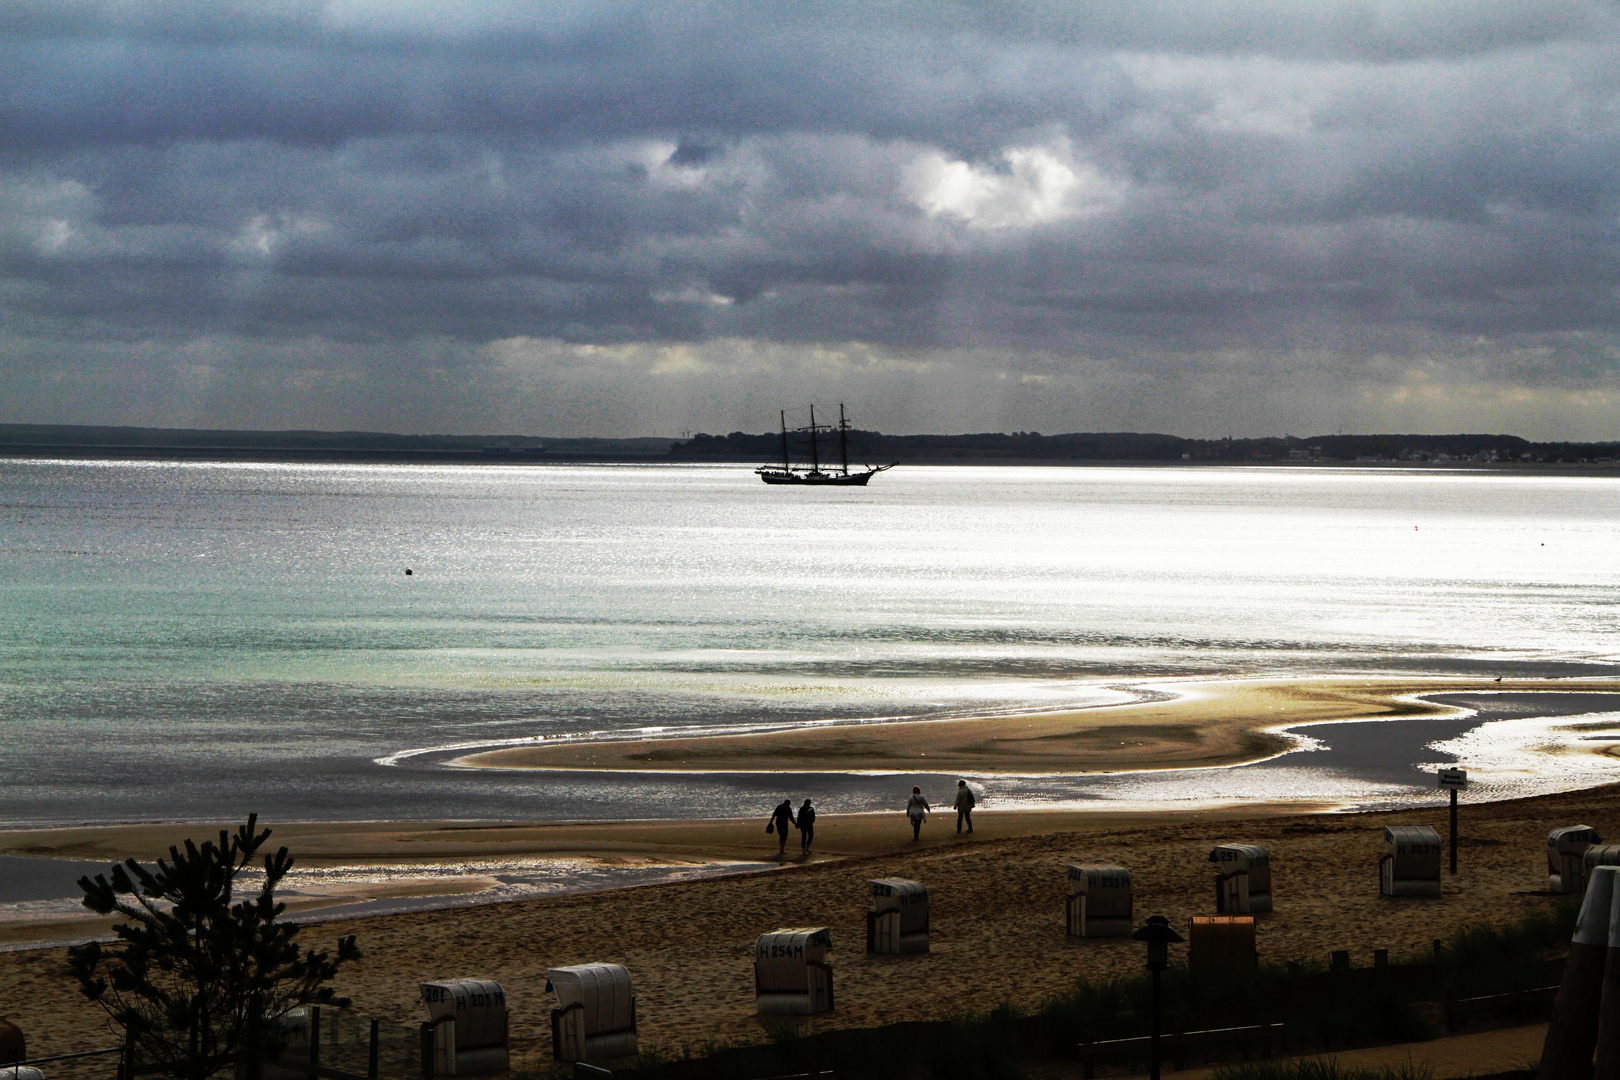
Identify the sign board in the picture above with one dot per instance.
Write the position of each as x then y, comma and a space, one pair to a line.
1453, 779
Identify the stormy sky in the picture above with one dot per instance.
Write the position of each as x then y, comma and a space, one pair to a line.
575, 218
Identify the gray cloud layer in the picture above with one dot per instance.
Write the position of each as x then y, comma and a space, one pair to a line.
608, 218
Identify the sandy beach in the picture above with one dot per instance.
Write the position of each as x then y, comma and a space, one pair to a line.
1194, 722
472, 845
1178, 725
998, 894
998, 910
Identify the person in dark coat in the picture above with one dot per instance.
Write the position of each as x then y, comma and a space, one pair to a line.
781, 822
807, 826
964, 805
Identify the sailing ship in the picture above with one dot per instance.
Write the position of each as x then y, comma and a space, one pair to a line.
788, 473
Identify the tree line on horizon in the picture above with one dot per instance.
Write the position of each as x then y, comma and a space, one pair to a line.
1138, 446
864, 446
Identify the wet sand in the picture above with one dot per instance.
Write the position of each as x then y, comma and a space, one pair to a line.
361, 844
1205, 723
997, 903
357, 843
26, 932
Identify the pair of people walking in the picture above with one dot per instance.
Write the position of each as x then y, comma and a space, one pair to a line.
917, 809
783, 818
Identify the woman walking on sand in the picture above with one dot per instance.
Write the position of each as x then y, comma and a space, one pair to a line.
781, 821
917, 810
807, 827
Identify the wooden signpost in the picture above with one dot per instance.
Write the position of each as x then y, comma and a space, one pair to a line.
1453, 780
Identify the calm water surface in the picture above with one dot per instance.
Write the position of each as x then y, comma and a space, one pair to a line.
183, 640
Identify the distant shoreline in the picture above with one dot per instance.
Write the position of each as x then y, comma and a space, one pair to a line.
314, 455
1020, 448
336, 456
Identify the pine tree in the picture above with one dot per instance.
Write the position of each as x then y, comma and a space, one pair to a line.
198, 980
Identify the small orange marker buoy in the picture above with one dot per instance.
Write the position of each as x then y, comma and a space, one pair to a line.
407, 571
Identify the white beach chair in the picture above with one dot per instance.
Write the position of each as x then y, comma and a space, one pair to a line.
791, 973
470, 1026
596, 1015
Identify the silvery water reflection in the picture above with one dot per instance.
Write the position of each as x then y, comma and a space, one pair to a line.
191, 640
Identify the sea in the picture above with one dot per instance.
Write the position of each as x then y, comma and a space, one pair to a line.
195, 641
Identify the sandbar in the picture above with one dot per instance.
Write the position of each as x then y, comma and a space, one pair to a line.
1187, 724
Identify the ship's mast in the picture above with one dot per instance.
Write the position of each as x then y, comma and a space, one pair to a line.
815, 462
786, 465
843, 442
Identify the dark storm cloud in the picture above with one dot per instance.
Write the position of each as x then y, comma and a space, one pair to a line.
1160, 202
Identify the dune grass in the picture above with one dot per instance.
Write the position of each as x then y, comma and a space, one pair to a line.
1319, 1069
1320, 1010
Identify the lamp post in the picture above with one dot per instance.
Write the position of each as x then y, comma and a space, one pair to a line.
1157, 933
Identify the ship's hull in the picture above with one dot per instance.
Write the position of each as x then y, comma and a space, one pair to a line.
815, 479
815, 476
